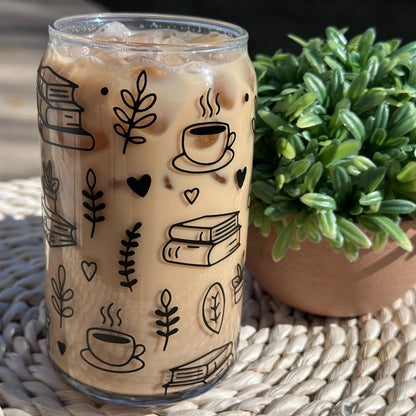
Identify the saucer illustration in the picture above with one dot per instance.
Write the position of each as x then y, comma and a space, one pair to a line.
135, 364
184, 164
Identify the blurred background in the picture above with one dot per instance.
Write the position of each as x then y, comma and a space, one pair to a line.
23, 37
269, 21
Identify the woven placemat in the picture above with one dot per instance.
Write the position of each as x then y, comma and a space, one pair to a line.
289, 363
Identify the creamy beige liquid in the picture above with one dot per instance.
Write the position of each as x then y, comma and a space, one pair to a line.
136, 240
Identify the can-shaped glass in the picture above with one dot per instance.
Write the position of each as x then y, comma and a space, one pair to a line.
146, 125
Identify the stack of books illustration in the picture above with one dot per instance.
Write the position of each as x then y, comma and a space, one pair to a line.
59, 114
203, 241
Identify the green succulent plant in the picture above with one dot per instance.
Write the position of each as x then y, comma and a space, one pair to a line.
334, 153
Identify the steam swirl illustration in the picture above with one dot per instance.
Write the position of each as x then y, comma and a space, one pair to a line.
210, 109
110, 318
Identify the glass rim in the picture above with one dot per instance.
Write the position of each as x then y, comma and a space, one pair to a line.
237, 35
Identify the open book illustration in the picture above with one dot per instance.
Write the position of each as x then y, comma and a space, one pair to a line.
203, 241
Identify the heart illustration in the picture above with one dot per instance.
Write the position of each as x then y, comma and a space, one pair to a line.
61, 347
89, 269
241, 176
191, 195
140, 186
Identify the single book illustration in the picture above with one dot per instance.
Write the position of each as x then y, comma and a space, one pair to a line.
59, 116
58, 231
203, 241
202, 370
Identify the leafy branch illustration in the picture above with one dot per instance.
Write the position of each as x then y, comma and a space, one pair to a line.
62, 295
127, 252
169, 320
132, 119
92, 204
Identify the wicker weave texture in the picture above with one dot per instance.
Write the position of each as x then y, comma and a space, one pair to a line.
290, 363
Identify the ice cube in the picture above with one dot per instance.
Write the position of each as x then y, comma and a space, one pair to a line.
112, 31
157, 37
224, 85
210, 38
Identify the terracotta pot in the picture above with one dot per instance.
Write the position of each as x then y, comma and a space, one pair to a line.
318, 280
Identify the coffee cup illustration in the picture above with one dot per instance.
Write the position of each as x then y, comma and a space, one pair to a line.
113, 351
206, 147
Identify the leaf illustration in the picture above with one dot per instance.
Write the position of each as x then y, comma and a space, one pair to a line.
169, 320
127, 252
91, 205
61, 296
133, 118
141, 82
213, 307
127, 98
147, 102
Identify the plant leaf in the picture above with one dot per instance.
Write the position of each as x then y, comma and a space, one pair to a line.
352, 233
352, 123
318, 201
393, 229
283, 241
327, 222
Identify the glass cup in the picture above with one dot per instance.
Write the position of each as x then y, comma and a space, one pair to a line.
146, 125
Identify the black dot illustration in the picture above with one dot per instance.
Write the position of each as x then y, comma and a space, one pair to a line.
246, 97
104, 91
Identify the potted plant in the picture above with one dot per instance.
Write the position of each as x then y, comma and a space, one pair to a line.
334, 174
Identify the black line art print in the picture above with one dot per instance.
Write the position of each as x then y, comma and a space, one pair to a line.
92, 204
253, 120
166, 312
203, 370
203, 241
89, 269
61, 296
111, 350
59, 116
135, 106
237, 283
58, 231
206, 146
213, 307
191, 195
140, 186
61, 347
127, 252
241, 176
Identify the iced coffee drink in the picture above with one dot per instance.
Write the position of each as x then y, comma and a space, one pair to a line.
146, 126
